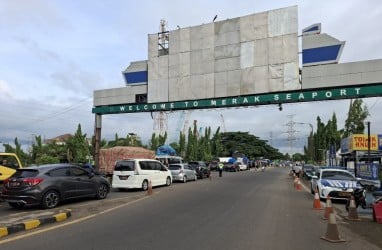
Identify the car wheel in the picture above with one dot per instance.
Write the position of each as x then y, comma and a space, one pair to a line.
102, 191
16, 204
168, 181
50, 199
184, 179
145, 185
201, 176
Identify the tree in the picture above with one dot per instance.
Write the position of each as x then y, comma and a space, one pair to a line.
216, 144
319, 140
154, 142
355, 122
250, 145
24, 157
182, 145
78, 147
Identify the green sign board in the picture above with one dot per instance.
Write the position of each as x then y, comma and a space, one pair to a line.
250, 100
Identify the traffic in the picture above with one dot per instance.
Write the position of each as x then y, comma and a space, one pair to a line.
236, 205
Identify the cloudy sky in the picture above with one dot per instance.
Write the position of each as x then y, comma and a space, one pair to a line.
55, 53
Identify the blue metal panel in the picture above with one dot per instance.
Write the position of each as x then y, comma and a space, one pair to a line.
321, 54
314, 28
135, 77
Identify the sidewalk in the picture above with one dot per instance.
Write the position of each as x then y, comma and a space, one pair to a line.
366, 227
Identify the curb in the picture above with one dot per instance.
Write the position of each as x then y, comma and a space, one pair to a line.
34, 223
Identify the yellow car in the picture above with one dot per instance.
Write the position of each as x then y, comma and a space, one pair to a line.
9, 162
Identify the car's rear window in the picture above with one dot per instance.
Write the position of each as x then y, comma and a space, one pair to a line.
124, 166
336, 175
174, 167
25, 173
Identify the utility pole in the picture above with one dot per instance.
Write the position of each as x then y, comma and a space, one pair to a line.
291, 132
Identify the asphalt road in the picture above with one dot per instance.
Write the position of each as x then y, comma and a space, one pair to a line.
246, 210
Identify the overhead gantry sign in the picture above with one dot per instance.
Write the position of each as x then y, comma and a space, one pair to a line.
251, 100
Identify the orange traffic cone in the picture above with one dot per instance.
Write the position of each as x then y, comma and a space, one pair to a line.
352, 214
316, 201
332, 233
298, 184
149, 188
328, 208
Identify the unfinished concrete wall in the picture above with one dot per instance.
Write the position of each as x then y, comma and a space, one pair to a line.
241, 56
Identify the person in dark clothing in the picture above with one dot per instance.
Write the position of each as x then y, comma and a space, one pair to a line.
221, 166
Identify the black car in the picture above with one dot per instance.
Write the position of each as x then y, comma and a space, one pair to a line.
213, 166
201, 169
308, 171
48, 185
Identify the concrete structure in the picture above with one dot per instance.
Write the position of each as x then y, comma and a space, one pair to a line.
342, 74
247, 55
244, 61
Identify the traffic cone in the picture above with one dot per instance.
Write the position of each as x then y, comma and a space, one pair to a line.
328, 208
352, 214
149, 188
316, 201
332, 234
298, 184
295, 181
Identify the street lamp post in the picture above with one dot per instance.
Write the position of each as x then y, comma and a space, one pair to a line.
368, 142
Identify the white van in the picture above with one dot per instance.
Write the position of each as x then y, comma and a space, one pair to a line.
136, 173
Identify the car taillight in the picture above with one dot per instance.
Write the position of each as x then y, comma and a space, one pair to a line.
32, 181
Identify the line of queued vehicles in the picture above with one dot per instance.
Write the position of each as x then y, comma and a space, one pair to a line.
49, 185
340, 184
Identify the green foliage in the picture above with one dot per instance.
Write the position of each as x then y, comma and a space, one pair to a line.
249, 145
130, 140
154, 143
46, 159
24, 158
298, 157
205, 146
78, 149
355, 122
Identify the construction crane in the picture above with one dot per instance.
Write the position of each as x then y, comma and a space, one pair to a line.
186, 122
160, 123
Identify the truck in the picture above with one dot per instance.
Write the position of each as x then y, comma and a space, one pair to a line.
9, 162
108, 157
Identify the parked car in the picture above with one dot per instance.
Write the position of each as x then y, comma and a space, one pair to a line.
231, 167
48, 185
213, 166
335, 182
201, 169
308, 170
182, 172
138, 173
242, 166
